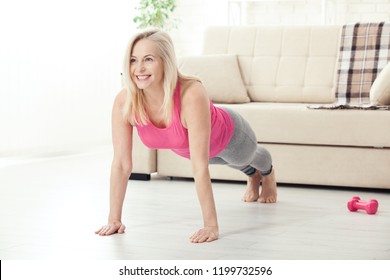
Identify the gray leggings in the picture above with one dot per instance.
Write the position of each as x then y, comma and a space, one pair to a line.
243, 152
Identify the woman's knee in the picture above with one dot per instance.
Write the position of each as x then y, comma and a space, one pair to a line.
263, 159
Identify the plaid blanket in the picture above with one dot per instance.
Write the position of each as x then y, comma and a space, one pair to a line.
364, 52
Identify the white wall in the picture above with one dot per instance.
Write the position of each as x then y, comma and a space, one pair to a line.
60, 64
367, 10
316, 11
195, 16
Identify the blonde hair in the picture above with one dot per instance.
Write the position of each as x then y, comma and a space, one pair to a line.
134, 108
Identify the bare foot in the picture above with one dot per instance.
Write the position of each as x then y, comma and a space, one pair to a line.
268, 190
252, 190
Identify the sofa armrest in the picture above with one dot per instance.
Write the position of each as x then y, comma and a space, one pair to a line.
380, 89
144, 159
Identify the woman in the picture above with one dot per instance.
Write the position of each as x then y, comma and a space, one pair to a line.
173, 111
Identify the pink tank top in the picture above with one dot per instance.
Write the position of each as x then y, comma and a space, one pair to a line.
175, 135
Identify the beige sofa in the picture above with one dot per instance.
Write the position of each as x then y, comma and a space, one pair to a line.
270, 75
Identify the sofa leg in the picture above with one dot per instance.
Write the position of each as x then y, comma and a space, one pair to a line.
140, 176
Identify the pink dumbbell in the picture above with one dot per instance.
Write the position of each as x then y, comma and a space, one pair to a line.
370, 206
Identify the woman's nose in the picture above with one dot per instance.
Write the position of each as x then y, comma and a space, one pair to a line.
141, 67
138, 66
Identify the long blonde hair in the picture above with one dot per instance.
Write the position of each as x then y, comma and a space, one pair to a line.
134, 108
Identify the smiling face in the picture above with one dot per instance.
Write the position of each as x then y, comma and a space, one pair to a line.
146, 66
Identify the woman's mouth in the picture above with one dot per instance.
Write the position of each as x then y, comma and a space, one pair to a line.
142, 77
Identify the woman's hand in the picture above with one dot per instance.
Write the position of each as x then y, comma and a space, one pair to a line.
111, 228
206, 234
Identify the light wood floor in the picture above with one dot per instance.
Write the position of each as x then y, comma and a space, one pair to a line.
50, 209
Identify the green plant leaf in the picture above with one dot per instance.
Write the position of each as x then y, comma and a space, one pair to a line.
155, 13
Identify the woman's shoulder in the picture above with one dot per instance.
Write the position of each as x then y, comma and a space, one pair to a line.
120, 97
194, 97
192, 89
120, 102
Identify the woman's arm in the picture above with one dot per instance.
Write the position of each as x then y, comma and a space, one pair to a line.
196, 117
121, 167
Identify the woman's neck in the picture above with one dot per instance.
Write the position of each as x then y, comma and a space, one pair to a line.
154, 99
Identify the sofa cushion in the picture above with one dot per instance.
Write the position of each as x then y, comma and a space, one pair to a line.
291, 123
281, 63
220, 74
380, 89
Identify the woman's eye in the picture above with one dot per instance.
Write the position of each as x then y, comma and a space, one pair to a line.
132, 61
149, 59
